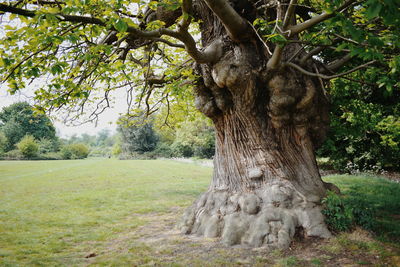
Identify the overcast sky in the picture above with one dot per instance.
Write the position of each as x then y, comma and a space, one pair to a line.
107, 119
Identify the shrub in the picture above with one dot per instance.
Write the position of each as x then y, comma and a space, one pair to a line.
163, 150
338, 216
75, 151
13, 155
51, 156
28, 146
47, 145
342, 214
66, 152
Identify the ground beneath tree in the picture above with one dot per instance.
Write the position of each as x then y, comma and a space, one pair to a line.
158, 243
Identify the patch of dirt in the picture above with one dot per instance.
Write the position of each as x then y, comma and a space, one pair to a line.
169, 246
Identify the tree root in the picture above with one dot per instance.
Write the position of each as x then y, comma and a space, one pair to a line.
266, 217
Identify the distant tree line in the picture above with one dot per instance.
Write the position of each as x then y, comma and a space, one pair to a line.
365, 134
26, 134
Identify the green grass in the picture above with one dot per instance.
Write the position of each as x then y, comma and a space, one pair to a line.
51, 212
55, 213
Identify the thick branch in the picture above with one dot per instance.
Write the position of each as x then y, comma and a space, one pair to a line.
237, 27
326, 77
274, 61
317, 19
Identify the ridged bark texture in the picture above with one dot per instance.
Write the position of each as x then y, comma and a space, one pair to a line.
266, 182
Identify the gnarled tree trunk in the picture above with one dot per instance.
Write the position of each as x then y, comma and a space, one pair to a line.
266, 182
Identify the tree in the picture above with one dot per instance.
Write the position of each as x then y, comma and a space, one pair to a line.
259, 76
137, 135
20, 119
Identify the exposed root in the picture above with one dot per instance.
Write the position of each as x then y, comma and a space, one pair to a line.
267, 217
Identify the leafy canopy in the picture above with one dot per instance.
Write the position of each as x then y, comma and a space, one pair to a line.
86, 49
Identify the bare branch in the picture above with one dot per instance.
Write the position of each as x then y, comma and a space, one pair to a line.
168, 43
236, 26
317, 19
339, 62
326, 77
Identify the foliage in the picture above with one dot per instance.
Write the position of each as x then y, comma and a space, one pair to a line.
20, 119
137, 134
365, 128
75, 151
164, 150
194, 138
14, 154
3, 142
48, 145
28, 146
338, 216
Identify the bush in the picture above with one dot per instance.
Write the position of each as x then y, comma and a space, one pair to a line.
28, 146
338, 216
13, 155
163, 150
51, 156
180, 149
47, 145
75, 151
342, 214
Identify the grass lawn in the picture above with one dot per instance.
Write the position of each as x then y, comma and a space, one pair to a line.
106, 212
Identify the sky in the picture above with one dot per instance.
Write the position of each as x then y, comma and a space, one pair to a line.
107, 120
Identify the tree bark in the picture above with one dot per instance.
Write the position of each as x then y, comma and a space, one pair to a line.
266, 182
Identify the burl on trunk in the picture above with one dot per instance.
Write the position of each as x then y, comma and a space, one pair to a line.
266, 183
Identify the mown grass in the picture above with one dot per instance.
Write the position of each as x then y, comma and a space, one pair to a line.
52, 211
88, 212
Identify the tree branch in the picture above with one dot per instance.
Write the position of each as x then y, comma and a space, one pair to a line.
339, 62
182, 35
289, 13
313, 52
326, 77
317, 19
236, 26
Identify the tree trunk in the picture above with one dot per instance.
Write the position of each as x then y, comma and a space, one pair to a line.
266, 182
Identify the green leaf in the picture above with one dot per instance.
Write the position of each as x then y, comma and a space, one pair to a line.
373, 10
120, 25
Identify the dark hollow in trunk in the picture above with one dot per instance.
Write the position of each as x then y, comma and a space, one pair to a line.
266, 182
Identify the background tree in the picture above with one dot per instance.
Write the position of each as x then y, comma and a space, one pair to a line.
20, 119
259, 76
137, 135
